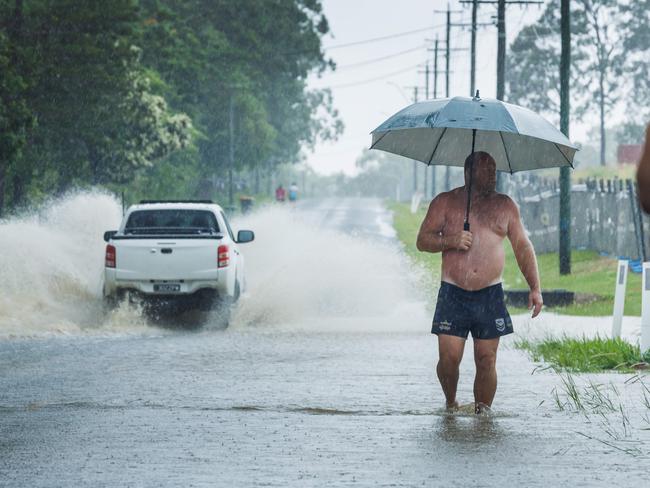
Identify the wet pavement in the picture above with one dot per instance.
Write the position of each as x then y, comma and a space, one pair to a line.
304, 389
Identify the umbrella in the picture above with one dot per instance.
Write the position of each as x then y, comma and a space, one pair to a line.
445, 131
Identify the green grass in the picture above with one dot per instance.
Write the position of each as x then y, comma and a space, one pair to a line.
592, 276
584, 355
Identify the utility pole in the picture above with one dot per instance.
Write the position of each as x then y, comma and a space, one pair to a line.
231, 165
501, 49
501, 39
435, 69
447, 56
426, 97
448, 50
415, 163
435, 95
565, 176
472, 82
501, 69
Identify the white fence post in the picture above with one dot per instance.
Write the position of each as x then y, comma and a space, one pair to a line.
619, 298
645, 308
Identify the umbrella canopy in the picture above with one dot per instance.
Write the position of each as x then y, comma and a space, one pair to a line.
445, 131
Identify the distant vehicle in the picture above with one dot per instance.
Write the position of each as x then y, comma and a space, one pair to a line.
178, 255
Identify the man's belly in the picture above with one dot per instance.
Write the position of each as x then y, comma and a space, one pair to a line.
473, 270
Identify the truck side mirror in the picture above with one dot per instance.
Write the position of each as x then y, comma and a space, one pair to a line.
245, 236
108, 235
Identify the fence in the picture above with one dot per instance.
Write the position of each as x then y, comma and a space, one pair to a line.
605, 216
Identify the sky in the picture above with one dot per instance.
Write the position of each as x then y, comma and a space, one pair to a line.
375, 79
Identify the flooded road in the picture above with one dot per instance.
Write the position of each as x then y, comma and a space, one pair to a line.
325, 378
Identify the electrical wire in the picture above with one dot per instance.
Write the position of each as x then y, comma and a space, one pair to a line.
376, 60
383, 38
377, 78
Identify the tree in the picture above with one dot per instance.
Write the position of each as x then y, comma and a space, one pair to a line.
116, 88
636, 42
604, 60
15, 117
257, 54
597, 61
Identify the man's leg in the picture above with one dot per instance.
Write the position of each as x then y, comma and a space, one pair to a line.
485, 383
450, 350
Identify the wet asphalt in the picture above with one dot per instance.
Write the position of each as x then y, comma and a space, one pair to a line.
276, 405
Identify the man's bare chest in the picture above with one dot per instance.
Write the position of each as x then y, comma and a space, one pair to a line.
484, 218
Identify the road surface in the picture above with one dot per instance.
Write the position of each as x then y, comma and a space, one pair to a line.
326, 378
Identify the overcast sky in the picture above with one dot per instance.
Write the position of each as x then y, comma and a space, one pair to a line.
367, 90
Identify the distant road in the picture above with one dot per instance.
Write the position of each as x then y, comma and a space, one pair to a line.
365, 217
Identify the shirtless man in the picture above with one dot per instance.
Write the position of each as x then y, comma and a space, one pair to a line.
471, 296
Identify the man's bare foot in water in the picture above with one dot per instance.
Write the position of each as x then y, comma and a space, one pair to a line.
452, 407
482, 408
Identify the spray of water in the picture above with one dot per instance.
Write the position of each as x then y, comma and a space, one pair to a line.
303, 275
51, 263
299, 274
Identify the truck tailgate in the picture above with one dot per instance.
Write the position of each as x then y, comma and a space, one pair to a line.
166, 259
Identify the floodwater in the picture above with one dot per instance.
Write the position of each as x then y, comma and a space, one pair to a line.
325, 378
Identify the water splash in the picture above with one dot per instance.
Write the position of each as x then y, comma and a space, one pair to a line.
51, 263
299, 274
304, 275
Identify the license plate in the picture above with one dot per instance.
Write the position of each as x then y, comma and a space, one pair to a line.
167, 287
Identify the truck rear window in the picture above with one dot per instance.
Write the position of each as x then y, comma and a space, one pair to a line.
171, 221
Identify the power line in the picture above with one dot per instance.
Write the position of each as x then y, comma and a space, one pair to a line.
377, 78
376, 60
382, 38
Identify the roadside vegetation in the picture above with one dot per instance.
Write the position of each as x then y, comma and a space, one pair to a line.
592, 277
585, 355
615, 423
157, 99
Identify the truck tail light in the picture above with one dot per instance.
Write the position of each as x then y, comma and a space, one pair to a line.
110, 256
223, 256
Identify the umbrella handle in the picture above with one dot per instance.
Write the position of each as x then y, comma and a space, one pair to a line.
471, 177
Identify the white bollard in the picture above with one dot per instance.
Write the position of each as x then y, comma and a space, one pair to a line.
619, 298
645, 308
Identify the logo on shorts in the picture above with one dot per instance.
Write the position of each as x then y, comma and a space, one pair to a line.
501, 324
444, 325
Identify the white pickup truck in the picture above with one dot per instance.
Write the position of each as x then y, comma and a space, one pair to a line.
177, 254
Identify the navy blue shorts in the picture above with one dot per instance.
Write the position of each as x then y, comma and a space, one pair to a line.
482, 312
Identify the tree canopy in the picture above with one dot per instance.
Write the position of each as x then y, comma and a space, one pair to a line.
609, 59
134, 93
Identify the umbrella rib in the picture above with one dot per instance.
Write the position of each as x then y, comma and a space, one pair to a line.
437, 144
377, 141
563, 155
505, 150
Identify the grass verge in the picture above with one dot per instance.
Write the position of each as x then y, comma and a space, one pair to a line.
592, 276
584, 355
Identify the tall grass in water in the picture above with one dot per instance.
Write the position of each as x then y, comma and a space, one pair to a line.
601, 405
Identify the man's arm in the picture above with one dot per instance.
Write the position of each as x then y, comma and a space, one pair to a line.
525, 255
432, 238
643, 174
